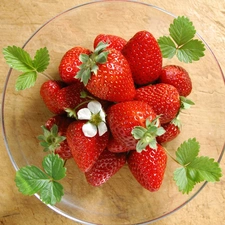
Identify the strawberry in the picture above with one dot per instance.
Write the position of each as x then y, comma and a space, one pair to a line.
124, 116
144, 57
113, 81
178, 77
114, 146
148, 166
59, 98
70, 61
105, 167
62, 123
70, 97
113, 41
48, 92
85, 150
163, 98
171, 131
107, 75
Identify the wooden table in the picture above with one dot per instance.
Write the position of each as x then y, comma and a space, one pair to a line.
18, 20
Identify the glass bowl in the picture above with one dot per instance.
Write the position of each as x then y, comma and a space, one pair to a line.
121, 200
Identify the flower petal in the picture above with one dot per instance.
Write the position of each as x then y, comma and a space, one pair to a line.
84, 114
102, 115
89, 130
94, 107
102, 128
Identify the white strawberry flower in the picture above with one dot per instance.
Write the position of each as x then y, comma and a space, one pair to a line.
96, 119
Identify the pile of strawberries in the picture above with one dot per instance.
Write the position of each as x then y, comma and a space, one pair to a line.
126, 97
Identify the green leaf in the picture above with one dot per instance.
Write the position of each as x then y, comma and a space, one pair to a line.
30, 180
187, 151
191, 51
167, 46
18, 59
182, 30
205, 169
26, 80
54, 166
41, 60
184, 183
181, 41
52, 193
194, 169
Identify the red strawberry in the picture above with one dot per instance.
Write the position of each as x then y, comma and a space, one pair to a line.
148, 166
85, 150
163, 98
48, 92
105, 167
68, 67
178, 77
124, 116
113, 41
70, 96
107, 75
113, 81
144, 57
114, 146
62, 123
171, 132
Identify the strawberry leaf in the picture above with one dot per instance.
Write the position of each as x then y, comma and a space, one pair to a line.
52, 193
194, 169
191, 51
26, 80
53, 166
182, 30
19, 59
187, 151
167, 46
181, 42
41, 60
31, 179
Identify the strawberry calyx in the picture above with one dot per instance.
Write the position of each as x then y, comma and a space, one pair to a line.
146, 136
50, 139
185, 103
90, 62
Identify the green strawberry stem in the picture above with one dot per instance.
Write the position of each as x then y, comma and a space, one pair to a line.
90, 62
50, 139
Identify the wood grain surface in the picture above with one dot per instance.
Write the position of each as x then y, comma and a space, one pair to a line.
18, 20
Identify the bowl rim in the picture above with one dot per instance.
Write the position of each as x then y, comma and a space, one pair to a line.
16, 167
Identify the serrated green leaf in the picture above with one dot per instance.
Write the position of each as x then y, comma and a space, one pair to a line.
187, 151
182, 30
52, 193
30, 180
54, 166
204, 168
184, 183
191, 51
167, 47
26, 80
17, 58
41, 59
